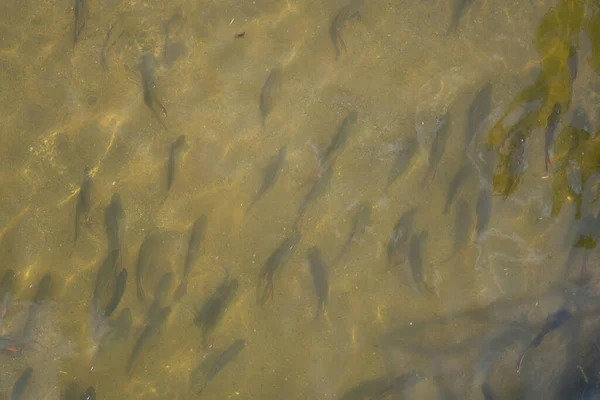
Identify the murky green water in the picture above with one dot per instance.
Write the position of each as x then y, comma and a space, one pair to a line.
456, 320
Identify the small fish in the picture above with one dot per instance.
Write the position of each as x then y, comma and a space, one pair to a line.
574, 179
89, 394
41, 297
318, 270
7, 288
147, 66
264, 288
117, 294
573, 63
210, 366
104, 277
175, 156
360, 222
114, 222
553, 322
162, 293
150, 330
458, 180
517, 164
381, 388
194, 245
214, 308
403, 159
478, 112
118, 329
461, 7
438, 146
397, 247
462, 226
551, 126
113, 34
84, 200
347, 127
20, 384
12, 343
483, 210
416, 257
81, 15
317, 190
270, 174
350, 10
269, 93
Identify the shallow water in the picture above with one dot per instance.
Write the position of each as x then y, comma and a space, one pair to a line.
66, 106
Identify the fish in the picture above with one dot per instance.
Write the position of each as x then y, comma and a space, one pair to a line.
114, 33
175, 156
487, 392
574, 179
345, 130
210, 366
89, 394
163, 290
462, 227
416, 256
397, 247
461, 7
552, 323
269, 93
173, 28
573, 63
12, 343
117, 294
151, 329
350, 10
84, 201
360, 223
81, 15
405, 155
438, 146
318, 270
270, 175
147, 66
581, 120
478, 112
118, 329
458, 180
483, 211
73, 392
319, 187
104, 277
41, 297
19, 387
551, 125
381, 388
517, 163
7, 288
114, 222
194, 245
264, 287
214, 307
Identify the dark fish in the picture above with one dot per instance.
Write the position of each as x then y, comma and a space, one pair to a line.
143, 263
403, 159
112, 36
462, 226
118, 329
553, 322
147, 66
416, 257
12, 343
318, 188
191, 258
7, 288
461, 7
210, 366
104, 277
360, 222
397, 246
580, 120
438, 146
117, 294
269, 93
84, 200
574, 179
149, 331
264, 287
41, 296
573, 63
175, 156
483, 211
478, 112
381, 388
350, 10
270, 174
487, 392
89, 394
398, 385
81, 15
73, 392
163, 290
114, 222
173, 28
214, 308
551, 126
347, 127
20, 384
458, 180
517, 163
318, 270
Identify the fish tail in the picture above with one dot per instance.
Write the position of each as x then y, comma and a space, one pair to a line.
548, 161
180, 291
